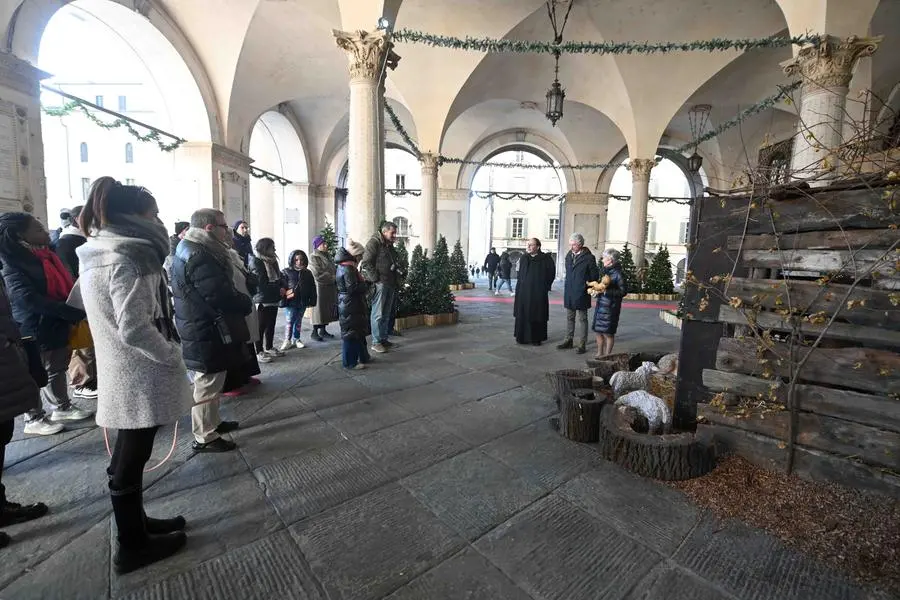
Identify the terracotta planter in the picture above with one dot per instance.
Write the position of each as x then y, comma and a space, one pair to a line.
468, 286
454, 287
441, 319
653, 297
403, 323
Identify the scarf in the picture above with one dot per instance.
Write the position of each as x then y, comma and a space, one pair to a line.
149, 256
59, 281
219, 250
271, 263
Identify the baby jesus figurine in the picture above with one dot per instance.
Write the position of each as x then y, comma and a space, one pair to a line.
595, 288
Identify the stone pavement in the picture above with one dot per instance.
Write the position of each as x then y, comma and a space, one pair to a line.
432, 475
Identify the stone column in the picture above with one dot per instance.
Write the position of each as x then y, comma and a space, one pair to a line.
640, 195
429, 201
826, 71
366, 52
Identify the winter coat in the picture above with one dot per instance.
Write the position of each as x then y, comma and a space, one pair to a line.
141, 376
609, 303
18, 392
505, 266
491, 261
351, 289
268, 292
536, 275
242, 243
579, 270
322, 268
47, 321
302, 283
247, 284
69, 241
379, 263
203, 287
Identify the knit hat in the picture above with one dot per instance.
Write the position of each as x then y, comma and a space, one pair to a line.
317, 241
181, 226
355, 248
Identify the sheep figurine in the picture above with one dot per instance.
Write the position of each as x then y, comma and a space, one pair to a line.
623, 382
658, 415
668, 364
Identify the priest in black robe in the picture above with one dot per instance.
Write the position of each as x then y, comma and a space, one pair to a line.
532, 306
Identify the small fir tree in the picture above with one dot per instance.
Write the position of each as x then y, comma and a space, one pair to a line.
659, 276
413, 291
439, 299
330, 236
629, 272
402, 258
458, 265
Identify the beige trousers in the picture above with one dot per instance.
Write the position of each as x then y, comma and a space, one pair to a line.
205, 414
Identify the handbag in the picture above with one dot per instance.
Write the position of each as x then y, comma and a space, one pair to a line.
80, 336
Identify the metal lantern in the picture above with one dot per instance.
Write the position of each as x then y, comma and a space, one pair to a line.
555, 98
695, 161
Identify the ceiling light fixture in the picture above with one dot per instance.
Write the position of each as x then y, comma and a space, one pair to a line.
556, 95
698, 117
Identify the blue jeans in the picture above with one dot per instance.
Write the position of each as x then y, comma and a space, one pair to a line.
293, 316
382, 309
508, 284
354, 352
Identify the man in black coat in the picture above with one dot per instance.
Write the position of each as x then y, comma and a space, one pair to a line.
490, 266
581, 267
209, 314
532, 305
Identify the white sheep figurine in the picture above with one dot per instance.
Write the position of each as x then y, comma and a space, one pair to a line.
668, 364
659, 417
623, 382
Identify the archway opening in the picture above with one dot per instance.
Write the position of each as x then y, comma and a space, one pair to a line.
508, 205
122, 63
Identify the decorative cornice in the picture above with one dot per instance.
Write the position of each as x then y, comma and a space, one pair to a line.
830, 63
429, 163
585, 198
640, 168
364, 52
227, 157
20, 75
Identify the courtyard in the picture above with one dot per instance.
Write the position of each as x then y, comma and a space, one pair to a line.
434, 474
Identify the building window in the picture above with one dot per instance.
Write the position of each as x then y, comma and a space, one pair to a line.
98, 100
400, 182
650, 232
402, 224
123, 104
83, 151
129, 182
684, 233
518, 228
129, 153
553, 231
85, 188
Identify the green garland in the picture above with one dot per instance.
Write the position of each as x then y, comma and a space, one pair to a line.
271, 177
764, 104
153, 136
538, 47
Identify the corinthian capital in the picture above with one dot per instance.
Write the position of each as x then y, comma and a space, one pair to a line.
640, 168
365, 51
429, 163
830, 63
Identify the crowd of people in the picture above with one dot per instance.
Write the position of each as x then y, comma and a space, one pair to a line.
175, 322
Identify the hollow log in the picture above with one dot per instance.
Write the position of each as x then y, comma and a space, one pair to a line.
579, 415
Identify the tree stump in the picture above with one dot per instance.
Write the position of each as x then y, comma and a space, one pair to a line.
579, 415
669, 457
566, 380
621, 361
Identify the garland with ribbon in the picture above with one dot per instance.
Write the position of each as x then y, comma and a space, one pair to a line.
517, 196
783, 94
494, 45
271, 177
154, 135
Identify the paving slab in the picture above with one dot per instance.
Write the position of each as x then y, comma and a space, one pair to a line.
274, 441
426, 399
555, 551
284, 406
372, 545
411, 446
671, 582
478, 360
467, 575
198, 470
304, 485
656, 515
480, 421
364, 416
437, 368
268, 569
756, 566
384, 378
331, 393
540, 454
475, 385
31, 445
472, 492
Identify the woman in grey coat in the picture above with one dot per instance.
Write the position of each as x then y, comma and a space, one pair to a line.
323, 270
142, 379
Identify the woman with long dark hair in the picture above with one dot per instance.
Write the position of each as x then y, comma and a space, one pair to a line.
143, 382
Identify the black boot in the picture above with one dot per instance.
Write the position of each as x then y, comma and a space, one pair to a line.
157, 526
136, 547
315, 334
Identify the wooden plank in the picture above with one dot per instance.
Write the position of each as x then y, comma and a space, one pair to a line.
836, 331
874, 446
871, 307
809, 464
874, 410
856, 239
856, 263
863, 369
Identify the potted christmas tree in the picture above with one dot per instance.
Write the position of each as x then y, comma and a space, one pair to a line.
629, 272
439, 309
659, 277
459, 277
330, 236
410, 311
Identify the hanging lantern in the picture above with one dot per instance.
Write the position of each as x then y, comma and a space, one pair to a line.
555, 98
695, 161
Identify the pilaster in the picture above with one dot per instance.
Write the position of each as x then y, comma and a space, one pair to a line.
429, 201
640, 196
232, 171
584, 213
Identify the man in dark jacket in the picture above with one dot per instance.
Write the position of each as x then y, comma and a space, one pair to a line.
209, 314
490, 266
69, 240
581, 267
379, 267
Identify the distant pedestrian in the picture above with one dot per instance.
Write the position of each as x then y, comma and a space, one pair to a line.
504, 273
491, 262
352, 312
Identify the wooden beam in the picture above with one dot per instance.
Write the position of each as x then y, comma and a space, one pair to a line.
872, 307
825, 261
861, 369
836, 331
868, 409
856, 239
